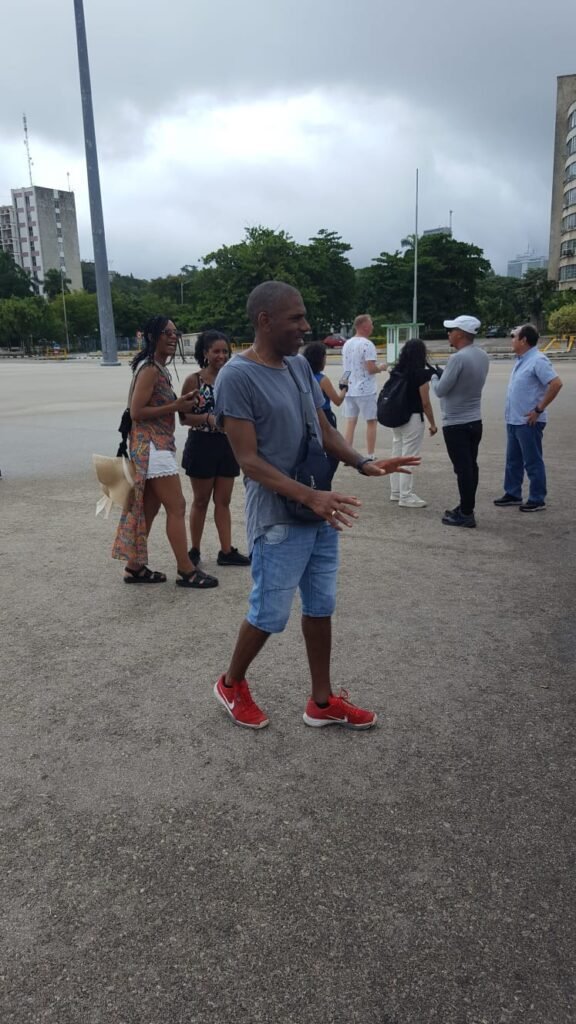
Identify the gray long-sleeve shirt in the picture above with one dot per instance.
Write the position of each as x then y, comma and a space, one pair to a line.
460, 387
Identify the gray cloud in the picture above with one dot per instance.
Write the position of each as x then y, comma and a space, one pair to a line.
470, 90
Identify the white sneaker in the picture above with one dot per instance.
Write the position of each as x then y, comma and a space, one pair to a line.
394, 497
370, 458
412, 501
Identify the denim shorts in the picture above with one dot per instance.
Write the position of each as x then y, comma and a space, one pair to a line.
287, 557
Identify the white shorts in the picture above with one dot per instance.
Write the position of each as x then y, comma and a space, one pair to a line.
161, 463
360, 405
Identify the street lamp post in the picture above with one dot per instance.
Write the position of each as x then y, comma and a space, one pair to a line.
415, 294
104, 296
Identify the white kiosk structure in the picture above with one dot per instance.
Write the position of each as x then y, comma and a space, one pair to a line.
396, 335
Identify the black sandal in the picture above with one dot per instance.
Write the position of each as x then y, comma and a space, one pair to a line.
196, 580
144, 575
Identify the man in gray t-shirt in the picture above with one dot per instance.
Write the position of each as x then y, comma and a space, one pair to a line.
268, 397
459, 390
259, 400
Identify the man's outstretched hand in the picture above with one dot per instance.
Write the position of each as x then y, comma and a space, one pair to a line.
383, 467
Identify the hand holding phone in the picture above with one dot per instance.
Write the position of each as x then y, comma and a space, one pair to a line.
343, 382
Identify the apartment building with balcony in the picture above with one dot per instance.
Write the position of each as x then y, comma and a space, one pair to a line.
562, 257
40, 231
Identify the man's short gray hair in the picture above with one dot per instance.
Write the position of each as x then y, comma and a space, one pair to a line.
362, 318
266, 297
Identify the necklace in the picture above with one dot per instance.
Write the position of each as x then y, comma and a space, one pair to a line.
263, 363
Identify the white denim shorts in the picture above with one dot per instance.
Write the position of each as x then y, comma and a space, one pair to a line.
161, 463
361, 405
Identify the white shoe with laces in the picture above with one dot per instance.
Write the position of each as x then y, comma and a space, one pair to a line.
394, 497
412, 501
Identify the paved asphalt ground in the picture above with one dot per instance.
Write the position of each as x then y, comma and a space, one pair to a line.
160, 866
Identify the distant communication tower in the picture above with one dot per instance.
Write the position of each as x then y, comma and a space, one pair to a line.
27, 144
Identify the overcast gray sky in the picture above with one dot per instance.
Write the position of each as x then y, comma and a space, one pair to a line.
213, 115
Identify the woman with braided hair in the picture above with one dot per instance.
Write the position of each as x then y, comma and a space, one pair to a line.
153, 405
208, 458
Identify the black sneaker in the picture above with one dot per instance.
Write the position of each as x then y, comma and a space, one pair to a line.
459, 519
232, 557
533, 506
194, 556
507, 499
452, 511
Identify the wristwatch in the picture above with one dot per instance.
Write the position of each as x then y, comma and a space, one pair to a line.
539, 411
361, 463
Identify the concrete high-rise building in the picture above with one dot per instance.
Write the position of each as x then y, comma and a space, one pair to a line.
528, 260
41, 233
562, 260
9, 240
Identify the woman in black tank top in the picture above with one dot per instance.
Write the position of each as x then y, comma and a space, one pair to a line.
208, 458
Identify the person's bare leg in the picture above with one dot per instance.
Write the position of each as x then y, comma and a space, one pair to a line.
318, 638
248, 645
151, 508
350, 427
223, 486
371, 427
202, 491
168, 490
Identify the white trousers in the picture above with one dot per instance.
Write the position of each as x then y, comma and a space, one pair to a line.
406, 440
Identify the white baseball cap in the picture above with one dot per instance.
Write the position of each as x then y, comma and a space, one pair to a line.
468, 324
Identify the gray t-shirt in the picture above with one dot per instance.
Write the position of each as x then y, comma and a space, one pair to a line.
269, 398
460, 386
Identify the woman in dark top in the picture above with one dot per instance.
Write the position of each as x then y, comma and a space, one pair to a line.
407, 439
208, 458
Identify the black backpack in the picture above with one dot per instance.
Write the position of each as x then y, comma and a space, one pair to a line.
393, 410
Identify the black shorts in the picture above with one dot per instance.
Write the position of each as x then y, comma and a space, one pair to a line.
208, 455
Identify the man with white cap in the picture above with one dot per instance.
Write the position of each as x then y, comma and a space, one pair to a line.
460, 390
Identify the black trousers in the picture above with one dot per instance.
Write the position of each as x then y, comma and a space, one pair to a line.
462, 443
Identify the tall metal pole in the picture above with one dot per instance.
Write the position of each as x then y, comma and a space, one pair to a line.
105, 312
415, 296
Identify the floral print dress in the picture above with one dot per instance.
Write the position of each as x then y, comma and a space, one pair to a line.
130, 544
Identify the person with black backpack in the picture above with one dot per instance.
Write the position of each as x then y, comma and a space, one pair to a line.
402, 404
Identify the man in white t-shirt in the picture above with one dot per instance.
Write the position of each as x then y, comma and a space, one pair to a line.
359, 360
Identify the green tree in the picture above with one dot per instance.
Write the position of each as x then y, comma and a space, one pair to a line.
82, 313
25, 321
55, 283
500, 301
88, 276
328, 281
536, 290
563, 320
231, 272
449, 275
14, 282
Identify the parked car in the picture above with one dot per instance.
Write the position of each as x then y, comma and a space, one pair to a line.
334, 341
497, 332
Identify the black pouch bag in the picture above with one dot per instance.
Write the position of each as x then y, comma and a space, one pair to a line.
313, 467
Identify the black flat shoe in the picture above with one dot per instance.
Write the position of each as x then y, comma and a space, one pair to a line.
196, 580
232, 557
195, 556
143, 575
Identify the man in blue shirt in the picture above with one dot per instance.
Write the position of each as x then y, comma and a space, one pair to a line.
533, 384
262, 399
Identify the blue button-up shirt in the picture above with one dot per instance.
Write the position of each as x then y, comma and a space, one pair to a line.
529, 379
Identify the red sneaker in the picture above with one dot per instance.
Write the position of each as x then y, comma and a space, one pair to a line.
340, 711
238, 702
